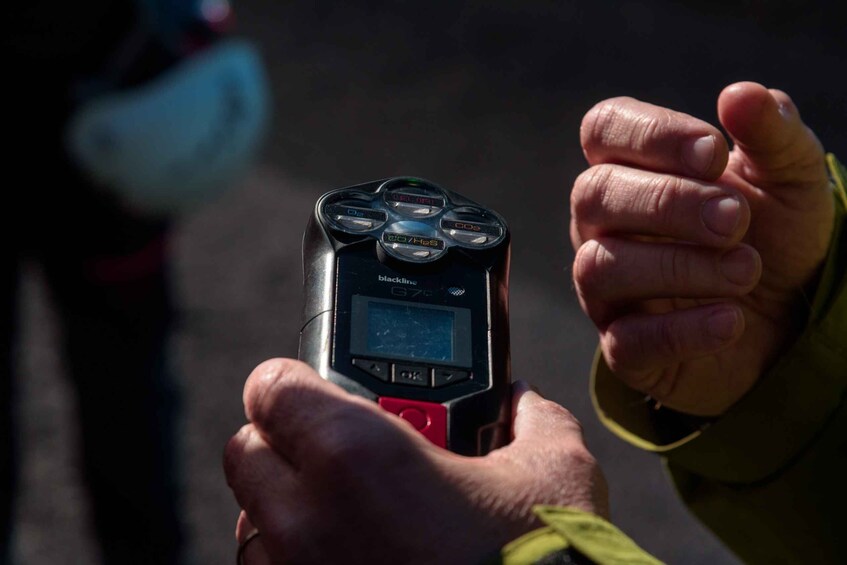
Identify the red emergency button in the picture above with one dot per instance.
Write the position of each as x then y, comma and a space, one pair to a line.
428, 418
416, 418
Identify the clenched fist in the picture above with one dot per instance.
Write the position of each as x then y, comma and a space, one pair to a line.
693, 260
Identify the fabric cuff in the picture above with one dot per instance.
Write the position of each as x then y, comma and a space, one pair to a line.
588, 534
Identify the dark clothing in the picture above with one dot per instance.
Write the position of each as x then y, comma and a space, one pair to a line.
106, 270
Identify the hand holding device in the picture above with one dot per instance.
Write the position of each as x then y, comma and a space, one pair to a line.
328, 477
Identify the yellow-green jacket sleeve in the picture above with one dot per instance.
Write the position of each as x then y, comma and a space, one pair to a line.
770, 476
573, 537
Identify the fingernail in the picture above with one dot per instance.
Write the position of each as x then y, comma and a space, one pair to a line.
520, 387
721, 214
739, 266
699, 154
784, 111
723, 324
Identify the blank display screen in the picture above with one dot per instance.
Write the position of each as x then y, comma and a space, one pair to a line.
401, 330
410, 331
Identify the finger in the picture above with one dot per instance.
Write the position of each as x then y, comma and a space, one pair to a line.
611, 271
537, 420
547, 436
638, 346
310, 421
615, 199
262, 482
244, 527
777, 149
625, 130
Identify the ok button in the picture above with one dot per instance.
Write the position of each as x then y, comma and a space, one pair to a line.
411, 375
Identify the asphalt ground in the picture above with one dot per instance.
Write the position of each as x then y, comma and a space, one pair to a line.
484, 98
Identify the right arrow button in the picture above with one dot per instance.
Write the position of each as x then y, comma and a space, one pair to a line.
442, 377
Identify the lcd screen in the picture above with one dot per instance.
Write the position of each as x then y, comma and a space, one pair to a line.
403, 330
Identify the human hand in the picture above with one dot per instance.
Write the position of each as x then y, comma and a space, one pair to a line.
327, 477
692, 259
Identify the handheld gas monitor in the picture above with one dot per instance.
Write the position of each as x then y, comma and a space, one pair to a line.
406, 303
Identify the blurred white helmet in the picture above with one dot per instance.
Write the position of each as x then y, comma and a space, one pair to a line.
183, 136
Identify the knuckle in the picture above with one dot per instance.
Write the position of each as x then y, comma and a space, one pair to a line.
590, 194
592, 260
616, 348
338, 449
599, 125
625, 352
559, 413
668, 338
663, 386
263, 381
274, 369
592, 124
234, 452
278, 385
675, 267
246, 467
350, 441
648, 127
340, 467
662, 197
580, 455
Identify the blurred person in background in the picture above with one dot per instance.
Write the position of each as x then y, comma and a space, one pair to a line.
717, 279
121, 116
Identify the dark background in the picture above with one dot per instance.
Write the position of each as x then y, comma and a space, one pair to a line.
483, 98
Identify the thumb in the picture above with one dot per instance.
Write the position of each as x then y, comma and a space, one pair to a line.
548, 442
536, 419
775, 148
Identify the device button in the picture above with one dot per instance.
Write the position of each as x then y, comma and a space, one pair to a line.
443, 377
469, 237
355, 224
411, 375
415, 210
411, 251
355, 218
413, 246
378, 369
471, 233
415, 417
414, 205
428, 418
339, 210
412, 240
